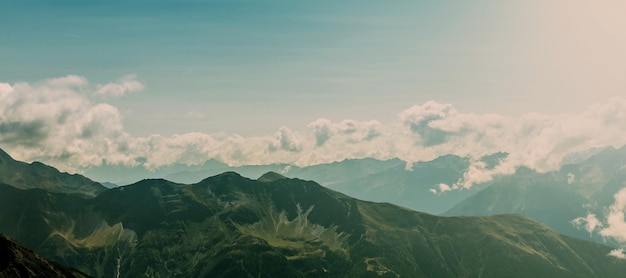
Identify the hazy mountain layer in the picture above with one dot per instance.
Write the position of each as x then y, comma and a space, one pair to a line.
555, 198
230, 226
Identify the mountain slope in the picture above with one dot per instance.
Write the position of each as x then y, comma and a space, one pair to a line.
543, 197
368, 179
411, 189
230, 226
555, 198
17, 261
38, 175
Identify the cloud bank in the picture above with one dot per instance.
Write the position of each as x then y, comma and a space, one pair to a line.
65, 122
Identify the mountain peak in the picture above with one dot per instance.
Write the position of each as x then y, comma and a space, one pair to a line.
24, 175
4, 156
271, 177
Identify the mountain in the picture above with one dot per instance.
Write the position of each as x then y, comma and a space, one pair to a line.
369, 179
38, 175
18, 261
390, 181
543, 197
123, 175
231, 226
555, 198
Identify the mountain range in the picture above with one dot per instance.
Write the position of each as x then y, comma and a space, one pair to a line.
367, 179
231, 226
585, 185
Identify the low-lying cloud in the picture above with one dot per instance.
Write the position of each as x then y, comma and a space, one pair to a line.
613, 225
65, 122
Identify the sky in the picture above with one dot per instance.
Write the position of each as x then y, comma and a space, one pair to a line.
140, 83
84, 83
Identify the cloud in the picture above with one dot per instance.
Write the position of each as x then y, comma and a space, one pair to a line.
26, 133
618, 253
54, 120
285, 140
5, 89
67, 81
616, 225
322, 130
423, 121
590, 223
119, 88
63, 121
441, 188
536, 141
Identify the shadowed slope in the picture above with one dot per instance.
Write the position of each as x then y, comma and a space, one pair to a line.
230, 226
17, 261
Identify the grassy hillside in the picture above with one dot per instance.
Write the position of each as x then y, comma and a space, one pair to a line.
38, 175
230, 226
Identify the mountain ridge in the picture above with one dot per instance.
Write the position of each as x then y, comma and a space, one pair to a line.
238, 226
39, 175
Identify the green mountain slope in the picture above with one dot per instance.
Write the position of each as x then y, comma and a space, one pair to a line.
38, 175
18, 261
367, 179
231, 226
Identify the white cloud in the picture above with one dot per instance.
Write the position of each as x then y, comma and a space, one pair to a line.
589, 222
5, 89
616, 225
59, 121
537, 141
67, 81
55, 121
322, 130
618, 253
285, 140
119, 88
425, 121
441, 188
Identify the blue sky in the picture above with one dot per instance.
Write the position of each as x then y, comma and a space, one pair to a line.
232, 60
280, 76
